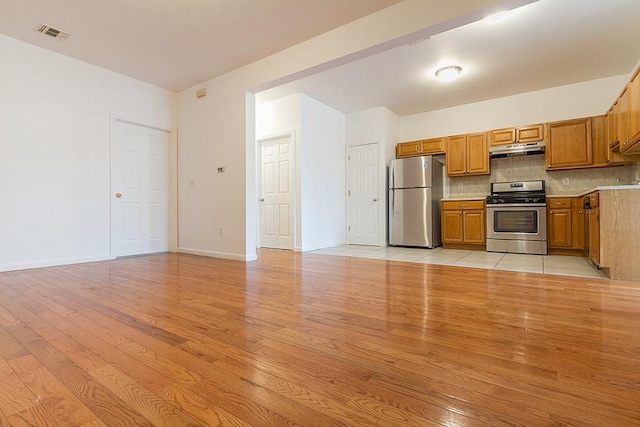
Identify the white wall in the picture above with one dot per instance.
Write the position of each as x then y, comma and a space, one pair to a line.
323, 175
219, 129
319, 140
377, 125
584, 99
277, 117
55, 122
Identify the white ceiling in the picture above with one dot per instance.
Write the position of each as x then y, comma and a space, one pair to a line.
545, 44
178, 43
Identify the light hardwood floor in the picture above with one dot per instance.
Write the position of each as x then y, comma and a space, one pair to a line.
314, 340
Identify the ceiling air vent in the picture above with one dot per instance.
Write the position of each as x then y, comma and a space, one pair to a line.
52, 32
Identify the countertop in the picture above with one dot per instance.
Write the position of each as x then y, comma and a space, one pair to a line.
463, 198
600, 188
577, 193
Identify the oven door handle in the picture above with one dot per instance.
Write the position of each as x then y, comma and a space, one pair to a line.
517, 205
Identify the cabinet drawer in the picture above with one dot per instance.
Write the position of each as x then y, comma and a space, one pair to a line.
462, 204
559, 203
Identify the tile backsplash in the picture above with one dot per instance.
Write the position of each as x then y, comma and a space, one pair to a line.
527, 168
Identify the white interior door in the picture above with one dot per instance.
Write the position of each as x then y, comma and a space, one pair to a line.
140, 190
363, 195
276, 193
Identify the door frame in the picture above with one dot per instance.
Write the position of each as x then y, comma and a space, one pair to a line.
172, 181
382, 200
294, 182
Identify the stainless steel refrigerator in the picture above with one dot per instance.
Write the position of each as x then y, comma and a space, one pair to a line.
415, 193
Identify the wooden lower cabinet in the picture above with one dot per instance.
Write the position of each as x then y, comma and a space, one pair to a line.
464, 223
594, 235
614, 233
565, 225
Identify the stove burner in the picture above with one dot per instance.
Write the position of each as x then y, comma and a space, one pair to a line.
523, 192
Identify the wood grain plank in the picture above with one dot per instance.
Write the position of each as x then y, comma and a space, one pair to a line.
157, 410
308, 339
54, 397
15, 396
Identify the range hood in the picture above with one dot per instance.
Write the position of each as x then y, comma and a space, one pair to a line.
518, 149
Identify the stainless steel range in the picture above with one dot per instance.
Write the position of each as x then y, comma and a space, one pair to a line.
517, 218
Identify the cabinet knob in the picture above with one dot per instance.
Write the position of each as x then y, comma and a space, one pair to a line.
550, 211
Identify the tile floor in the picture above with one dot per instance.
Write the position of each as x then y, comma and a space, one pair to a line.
545, 264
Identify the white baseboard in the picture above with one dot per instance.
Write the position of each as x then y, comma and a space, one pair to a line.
53, 262
319, 246
215, 254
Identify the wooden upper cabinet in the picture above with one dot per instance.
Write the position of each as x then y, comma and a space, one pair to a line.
523, 134
601, 150
503, 136
569, 144
531, 133
408, 149
633, 134
422, 147
477, 154
456, 155
467, 155
623, 120
612, 124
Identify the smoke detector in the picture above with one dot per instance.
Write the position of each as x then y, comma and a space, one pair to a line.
52, 32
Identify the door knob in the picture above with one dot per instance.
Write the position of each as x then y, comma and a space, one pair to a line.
118, 195
261, 199
375, 200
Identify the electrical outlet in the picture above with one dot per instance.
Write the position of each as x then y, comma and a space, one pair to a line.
459, 186
220, 231
192, 183
565, 181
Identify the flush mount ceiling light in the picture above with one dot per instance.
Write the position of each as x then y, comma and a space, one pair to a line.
446, 74
497, 17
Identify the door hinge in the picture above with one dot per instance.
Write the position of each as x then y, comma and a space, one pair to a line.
348, 192
348, 156
349, 228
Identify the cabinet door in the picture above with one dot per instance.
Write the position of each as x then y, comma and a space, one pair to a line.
408, 149
503, 136
569, 144
560, 223
577, 227
601, 151
612, 124
474, 226
452, 227
531, 133
456, 155
623, 120
594, 235
634, 108
432, 146
477, 154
